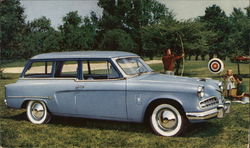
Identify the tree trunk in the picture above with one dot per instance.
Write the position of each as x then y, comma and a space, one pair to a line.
151, 56
203, 57
238, 67
189, 57
196, 57
211, 55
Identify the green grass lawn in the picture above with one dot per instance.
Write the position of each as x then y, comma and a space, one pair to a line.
231, 131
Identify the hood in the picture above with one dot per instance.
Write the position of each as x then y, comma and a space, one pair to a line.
157, 77
167, 78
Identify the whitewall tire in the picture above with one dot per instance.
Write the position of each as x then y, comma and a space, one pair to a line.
37, 112
167, 120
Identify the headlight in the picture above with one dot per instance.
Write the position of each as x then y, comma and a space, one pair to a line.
220, 86
200, 92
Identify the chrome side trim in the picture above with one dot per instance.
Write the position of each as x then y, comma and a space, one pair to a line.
47, 79
74, 79
44, 97
202, 115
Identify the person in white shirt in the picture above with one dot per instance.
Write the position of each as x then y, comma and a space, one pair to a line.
230, 81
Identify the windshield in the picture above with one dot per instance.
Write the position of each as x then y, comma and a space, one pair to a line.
133, 65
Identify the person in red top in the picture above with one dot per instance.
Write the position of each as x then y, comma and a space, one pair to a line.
168, 61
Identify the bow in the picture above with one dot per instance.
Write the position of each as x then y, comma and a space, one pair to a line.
183, 59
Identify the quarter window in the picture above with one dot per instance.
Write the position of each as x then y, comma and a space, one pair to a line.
39, 70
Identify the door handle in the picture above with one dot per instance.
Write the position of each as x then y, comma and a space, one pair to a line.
79, 86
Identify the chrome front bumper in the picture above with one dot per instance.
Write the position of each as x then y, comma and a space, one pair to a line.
218, 112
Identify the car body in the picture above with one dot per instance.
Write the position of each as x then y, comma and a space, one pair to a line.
113, 85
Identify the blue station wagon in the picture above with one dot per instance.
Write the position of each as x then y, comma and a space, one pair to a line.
113, 85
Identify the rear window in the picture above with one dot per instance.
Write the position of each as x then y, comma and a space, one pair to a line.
39, 69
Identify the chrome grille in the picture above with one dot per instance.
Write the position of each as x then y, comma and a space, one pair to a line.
209, 102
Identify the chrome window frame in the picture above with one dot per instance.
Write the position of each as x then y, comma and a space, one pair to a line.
79, 77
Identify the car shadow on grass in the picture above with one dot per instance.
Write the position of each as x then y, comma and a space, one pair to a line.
203, 129
100, 124
89, 123
17, 117
206, 129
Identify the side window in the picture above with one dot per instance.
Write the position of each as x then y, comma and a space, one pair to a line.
99, 70
39, 70
66, 69
131, 66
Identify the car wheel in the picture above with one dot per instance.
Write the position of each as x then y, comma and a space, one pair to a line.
37, 112
168, 120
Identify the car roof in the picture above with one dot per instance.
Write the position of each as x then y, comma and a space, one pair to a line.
83, 54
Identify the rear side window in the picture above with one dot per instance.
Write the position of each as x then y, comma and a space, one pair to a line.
66, 69
39, 70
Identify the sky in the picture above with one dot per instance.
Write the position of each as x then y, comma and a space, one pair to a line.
183, 9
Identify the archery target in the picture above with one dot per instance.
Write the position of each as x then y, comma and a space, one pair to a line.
215, 65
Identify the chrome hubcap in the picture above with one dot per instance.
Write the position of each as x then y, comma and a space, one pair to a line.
37, 111
166, 119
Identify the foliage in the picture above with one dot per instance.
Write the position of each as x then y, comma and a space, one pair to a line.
77, 33
40, 38
217, 21
117, 39
131, 16
11, 28
239, 37
145, 27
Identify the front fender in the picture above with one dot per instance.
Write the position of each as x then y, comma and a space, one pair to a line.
188, 102
138, 102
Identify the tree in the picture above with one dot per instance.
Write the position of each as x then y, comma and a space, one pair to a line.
131, 16
239, 37
40, 37
117, 39
77, 33
248, 11
217, 21
12, 27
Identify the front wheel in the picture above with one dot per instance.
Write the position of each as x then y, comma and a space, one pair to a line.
37, 112
167, 120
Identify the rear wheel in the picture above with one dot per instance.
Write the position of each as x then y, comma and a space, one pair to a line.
37, 112
168, 120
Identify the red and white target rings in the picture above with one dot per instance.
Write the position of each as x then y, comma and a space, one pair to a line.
215, 65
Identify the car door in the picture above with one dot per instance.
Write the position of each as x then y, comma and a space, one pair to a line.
102, 92
65, 85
